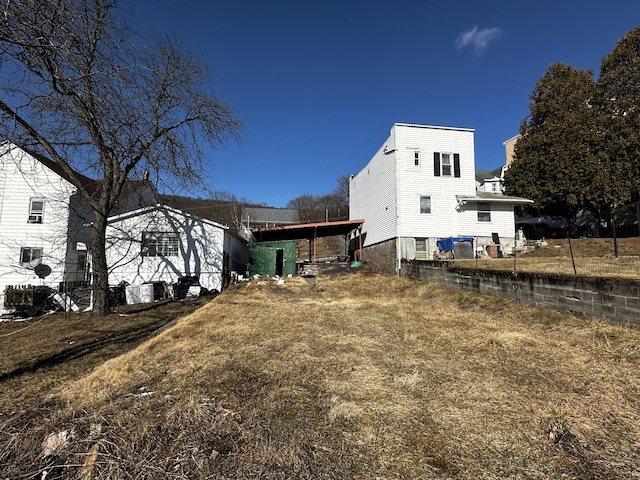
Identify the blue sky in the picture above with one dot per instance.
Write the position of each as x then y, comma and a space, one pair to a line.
318, 85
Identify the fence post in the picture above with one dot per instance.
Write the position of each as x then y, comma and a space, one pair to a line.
615, 237
475, 251
573, 261
515, 251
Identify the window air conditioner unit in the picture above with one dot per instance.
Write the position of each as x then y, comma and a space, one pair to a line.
35, 218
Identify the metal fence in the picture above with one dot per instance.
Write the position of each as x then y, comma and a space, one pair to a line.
587, 257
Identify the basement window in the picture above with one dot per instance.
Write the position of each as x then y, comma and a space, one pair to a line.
159, 244
421, 249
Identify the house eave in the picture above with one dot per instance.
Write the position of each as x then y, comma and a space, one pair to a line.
434, 127
144, 210
492, 198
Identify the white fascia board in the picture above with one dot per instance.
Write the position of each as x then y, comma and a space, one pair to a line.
493, 199
434, 127
144, 210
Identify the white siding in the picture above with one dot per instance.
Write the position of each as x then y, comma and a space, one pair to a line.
372, 195
22, 178
200, 251
420, 181
386, 193
502, 221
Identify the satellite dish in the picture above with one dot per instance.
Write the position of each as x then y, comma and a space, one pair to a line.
42, 270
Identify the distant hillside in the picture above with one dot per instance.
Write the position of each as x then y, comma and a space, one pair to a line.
226, 210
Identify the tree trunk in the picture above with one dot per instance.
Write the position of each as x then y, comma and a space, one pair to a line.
100, 270
572, 220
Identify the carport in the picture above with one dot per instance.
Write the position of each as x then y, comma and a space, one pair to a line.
311, 232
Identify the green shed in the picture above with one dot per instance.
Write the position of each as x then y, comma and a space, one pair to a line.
273, 258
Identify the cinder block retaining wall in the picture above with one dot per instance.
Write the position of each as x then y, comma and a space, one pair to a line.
382, 255
614, 300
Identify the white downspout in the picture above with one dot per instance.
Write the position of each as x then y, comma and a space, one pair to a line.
398, 223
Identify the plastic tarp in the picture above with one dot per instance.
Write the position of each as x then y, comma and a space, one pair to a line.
446, 244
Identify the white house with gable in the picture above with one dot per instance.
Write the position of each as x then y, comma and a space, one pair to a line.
42, 237
44, 222
163, 244
420, 187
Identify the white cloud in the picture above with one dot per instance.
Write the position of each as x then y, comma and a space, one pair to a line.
480, 39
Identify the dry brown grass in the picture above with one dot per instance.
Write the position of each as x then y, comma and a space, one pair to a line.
360, 377
592, 257
326, 247
41, 353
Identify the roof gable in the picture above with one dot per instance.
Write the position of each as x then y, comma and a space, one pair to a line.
159, 207
48, 163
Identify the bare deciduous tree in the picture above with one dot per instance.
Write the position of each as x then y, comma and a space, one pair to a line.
79, 86
342, 190
318, 208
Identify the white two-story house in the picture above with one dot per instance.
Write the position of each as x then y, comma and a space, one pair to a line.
42, 238
420, 187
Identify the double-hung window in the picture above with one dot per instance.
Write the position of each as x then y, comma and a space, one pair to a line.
416, 158
159, 244
445, 161
484, 212
36, 209
446, 164
30, 254
425, 204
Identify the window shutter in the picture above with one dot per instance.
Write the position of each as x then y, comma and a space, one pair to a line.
436, 164
456, 165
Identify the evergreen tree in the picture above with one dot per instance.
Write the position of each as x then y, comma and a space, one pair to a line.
559, 161
618, 98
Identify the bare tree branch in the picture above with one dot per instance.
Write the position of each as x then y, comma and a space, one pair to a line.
80, 87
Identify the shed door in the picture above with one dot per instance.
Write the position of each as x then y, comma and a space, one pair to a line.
279, 261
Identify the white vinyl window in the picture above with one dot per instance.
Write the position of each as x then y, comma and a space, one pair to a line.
446, 164
36, 210
484, 212
425, 204
159, 244
416, 158
445, 159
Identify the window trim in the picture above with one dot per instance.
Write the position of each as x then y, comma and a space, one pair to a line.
35, 215
421, 254
420, 204
446, 167
483, 210
160, 244
32, 257
438, 166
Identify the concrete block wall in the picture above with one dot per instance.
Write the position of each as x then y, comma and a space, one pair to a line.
383, 255
613, 300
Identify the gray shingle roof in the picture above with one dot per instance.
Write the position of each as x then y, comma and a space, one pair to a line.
271, 216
